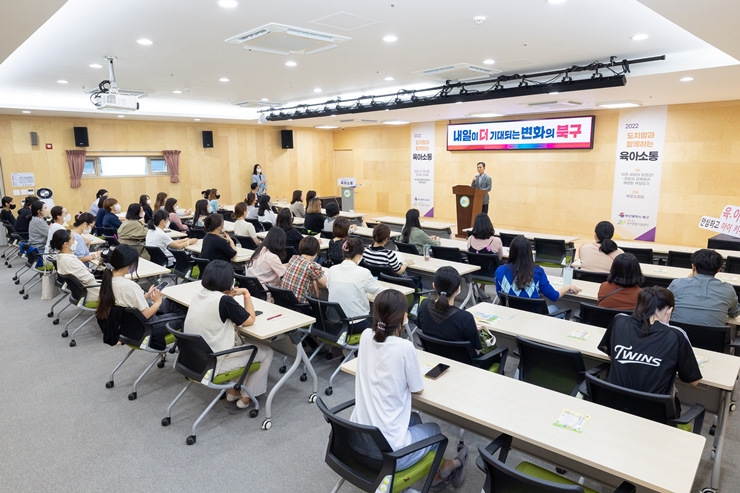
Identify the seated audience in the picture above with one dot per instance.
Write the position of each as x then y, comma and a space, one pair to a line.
170, 207
160, 201
146, 203
266, 263
156, 237
265, 214
98, 202
132, 231
6, 214
340, 230
68, 264
482, 239
252, 209
598, 256
296, 204
25, 215
241, 226
285, 222
303, 275
83, 225
379, 256
38, 229
217, 245
314, 221
349, 284
622, 285
332, 214
59, 217
200, 212
413, 234
109, 219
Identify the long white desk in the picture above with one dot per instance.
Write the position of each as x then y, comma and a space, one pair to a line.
440, 228
94, 240
323, 242
719, 372
664, 248
606, 450
368, 232
429, 267
668, 272
146, 269
242, 254
265, 330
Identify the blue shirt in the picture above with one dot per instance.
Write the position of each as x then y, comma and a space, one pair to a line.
213, 206
262, 188
540, 284
81, 249
111, 221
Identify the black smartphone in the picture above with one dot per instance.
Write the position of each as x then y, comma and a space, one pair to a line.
437, 371
163, 285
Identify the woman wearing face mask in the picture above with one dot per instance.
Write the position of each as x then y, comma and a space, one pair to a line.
84, 221
146, 203
260, 180
132, 231
213, 197
68, 264
38, 229
6, 214
157, 237
59, 216
98, 203
110, 219
171, 208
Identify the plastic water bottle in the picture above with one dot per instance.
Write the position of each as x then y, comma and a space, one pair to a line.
567, 275
426, 252
284, 200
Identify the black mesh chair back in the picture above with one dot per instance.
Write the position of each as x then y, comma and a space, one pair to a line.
488, 264
156, 255
327, 234
266, 225
506, 238
534, 305
331, 320
655, 407
290, 252
656, 281
376, 271
561, 370
644, 255
287, 299
195, 357
201, 263
251, 284
447, 253
598, 316
111, 240
711, 338
732, 265
257, 225
549, 251
246, 242
679, 259
584, 275
461, 351
723, 242
183, 262
406, 248
102, 231
77, 290
134, 327
197, 232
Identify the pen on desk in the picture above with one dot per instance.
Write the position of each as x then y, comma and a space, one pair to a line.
275, 316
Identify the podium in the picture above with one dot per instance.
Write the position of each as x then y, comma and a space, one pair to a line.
469, 204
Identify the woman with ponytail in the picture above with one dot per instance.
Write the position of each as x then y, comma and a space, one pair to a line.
388, 373
349, 284
117, 290
598, 256
441, 318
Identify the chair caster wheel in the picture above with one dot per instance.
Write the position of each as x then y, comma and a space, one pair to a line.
312, 398
65, 334
55, 322
160, 364
18, 281
304, 377
560, 470
50, 314
708, 490
712, 430
25, 296
21, 291
132, 396
733, 406
282, 369
166, 421
72, 343
109, 385
15, 278
190, 440
329, 391
266, 424
714, 455
253, 413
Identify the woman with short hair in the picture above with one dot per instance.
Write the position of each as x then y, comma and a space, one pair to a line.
349, 284
157, 237
38, 229
314, 220
622, 286
241, 226
296, 204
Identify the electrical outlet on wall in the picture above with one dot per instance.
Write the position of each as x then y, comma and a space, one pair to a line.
16, 192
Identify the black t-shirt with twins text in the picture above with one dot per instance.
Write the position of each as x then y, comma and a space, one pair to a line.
648, 362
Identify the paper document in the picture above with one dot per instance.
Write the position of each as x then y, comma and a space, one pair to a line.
426, 367
572, 420
486, 318
701, 360
580, 334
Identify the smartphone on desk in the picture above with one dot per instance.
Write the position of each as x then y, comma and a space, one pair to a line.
162, 285
437, 371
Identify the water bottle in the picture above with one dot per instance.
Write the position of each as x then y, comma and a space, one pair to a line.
567, 275
284, 200
426, 252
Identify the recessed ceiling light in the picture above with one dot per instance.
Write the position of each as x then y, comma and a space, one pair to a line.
553, 92
228, 4
485, 115
290, 64
62, 81
555, 1
318, 89
177, 92
223, 79
264, 99
640, 37
390, 39
620, 104
39, 93
686, 79
389, 78
196, 119
489, 61
395, 122
95, 65
327, 127
26, 111
458, 102
333, 116
144, 41
121, 116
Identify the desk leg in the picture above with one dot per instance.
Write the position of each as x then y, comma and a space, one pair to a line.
301, 357
719, 440
471, 286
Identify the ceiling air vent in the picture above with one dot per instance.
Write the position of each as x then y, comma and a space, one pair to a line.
458, 71
258, 104
285, 40
556, 105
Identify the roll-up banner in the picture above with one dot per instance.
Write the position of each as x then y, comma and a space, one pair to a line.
422, 168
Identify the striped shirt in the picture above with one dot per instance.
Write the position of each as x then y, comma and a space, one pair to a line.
381, 257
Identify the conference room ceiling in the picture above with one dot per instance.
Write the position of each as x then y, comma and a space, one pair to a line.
189, 54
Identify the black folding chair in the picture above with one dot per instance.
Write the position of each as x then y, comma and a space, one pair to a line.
506, 238
679, 259
560, 370
732, 265
584, 275
598, 316
550, 253
534, 305
406, 248
711, 338
257, 225
656, 281
644, 255
78, 299
447, 253
464, 352
251, 284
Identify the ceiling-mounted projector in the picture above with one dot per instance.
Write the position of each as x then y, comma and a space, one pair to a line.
106, 98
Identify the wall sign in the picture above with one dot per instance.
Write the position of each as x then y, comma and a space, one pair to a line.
22, 180
639, 165
548, 133
422, 168
727, 223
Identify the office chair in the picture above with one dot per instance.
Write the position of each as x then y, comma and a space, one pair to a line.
198, 268
534, 305
246, 242
266, 225
406, 248
197, 362
488, 264
78, 299
501, 478
656, 281
376, 270
560, 370
290, 252
598, 316
251, 284
447, 253
157, 256
37, 263
184, 264
197, 232
327, 234
64, 293
584, 275
711, 338
464, 352
732, 265
550, 253
644, 255
679, 259
372, 471
287, 299
413, 299
257, 225
506, 238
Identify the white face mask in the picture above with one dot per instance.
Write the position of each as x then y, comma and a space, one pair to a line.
141, 216
117, 208
167, 226
177, 207
148, 201
73, 246
87, 231
67, 218
259, 170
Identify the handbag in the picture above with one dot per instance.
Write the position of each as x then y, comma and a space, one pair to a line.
49, 288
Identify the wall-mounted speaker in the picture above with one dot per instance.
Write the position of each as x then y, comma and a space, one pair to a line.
286, 139
81, 137
207, 138
34, 139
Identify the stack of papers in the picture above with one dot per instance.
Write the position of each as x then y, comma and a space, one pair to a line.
580, 334
486, 318
572, 420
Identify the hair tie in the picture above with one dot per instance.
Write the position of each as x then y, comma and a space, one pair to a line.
381, 325
108, 266
345, 247
443, 293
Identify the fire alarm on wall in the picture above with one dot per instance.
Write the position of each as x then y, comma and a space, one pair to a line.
49, 146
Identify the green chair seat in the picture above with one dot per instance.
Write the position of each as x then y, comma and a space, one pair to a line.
687, 427
540, 473
417, 472
195, 272
45, 268
542, 377
353, 340
552, 265
495, 368
91, 304
230, 375
168, 339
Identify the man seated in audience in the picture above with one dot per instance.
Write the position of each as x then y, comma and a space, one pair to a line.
701, 299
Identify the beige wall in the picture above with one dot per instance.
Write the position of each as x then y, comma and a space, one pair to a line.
227, 166
546, 191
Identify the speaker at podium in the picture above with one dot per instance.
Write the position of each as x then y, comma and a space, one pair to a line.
469, 203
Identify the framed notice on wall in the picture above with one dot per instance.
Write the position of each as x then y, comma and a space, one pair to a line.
22, 180
550, 133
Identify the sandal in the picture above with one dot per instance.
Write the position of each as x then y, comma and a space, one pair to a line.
444, 483
462, 456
